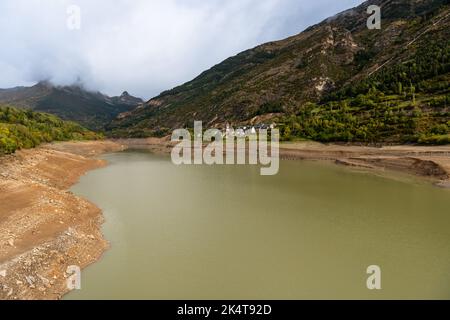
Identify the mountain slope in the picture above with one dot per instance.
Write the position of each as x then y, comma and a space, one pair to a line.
283, 76
91, 109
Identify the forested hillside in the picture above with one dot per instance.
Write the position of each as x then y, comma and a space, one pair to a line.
27, 129
404, 102
92, 110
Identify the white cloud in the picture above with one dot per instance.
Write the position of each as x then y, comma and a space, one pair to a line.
143, 46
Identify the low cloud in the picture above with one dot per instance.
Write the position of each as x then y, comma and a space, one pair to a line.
143, 46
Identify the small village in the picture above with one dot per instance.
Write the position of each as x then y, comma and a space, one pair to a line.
244, 130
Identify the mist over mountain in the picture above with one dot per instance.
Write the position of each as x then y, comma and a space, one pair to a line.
335, 81
143, 46
91, 109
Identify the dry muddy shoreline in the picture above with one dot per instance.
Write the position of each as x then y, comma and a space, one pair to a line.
44, 228
431, 163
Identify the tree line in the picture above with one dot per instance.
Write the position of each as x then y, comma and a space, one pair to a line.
405, 103
23, 129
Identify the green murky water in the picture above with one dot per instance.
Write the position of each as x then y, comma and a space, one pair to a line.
225, 232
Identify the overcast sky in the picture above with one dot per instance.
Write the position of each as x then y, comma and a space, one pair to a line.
143, 46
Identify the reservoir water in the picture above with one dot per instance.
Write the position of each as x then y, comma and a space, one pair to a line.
225, 232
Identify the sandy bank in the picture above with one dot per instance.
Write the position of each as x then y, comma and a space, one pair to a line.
429, 162
44, 228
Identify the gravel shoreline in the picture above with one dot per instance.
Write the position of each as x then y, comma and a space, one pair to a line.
44, 228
